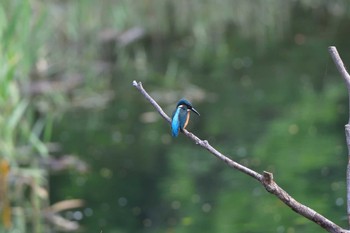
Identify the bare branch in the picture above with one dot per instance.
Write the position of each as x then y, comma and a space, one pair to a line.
342, 70
340, 65
138, 85
266, 179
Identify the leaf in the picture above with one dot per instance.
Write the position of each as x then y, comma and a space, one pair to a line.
17, 114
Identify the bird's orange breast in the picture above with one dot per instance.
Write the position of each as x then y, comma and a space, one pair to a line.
187, 119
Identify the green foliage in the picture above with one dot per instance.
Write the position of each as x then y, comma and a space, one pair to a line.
20, 145
306, 128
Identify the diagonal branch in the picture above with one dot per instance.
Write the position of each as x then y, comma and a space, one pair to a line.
342, 70
266, 179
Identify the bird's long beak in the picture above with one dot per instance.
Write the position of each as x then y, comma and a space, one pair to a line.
195, 111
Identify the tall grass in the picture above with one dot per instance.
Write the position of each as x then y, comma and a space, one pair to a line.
23, 184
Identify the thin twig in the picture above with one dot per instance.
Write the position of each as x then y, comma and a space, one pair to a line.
266, 179
342, 70
138, 85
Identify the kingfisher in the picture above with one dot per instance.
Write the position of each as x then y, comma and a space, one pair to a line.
181, 116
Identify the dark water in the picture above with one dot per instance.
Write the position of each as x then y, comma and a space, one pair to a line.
280, 109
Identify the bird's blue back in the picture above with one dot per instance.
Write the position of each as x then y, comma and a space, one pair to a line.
178, 120
175, 123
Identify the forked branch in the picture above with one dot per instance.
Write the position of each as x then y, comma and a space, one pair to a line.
266, 179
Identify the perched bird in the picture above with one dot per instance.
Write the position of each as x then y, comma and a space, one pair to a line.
181, 116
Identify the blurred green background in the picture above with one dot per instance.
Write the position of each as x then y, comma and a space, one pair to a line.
82, 151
